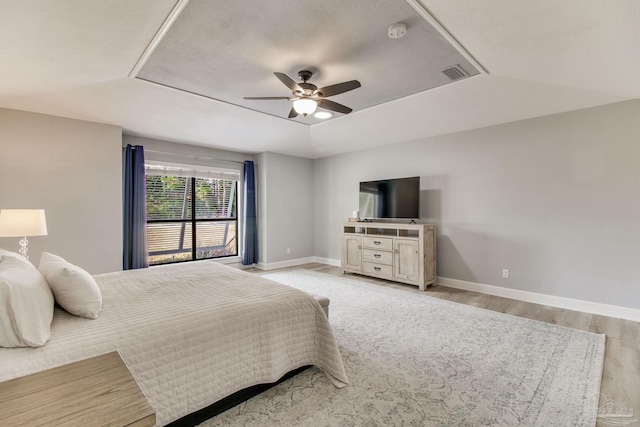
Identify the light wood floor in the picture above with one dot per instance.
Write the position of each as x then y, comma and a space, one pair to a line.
621, 373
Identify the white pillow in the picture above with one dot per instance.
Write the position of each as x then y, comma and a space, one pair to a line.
26, 304
74, 289
4, 252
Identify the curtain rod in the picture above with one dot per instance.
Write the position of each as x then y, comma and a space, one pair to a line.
194, 157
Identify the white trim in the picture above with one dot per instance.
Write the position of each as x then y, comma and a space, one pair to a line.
228, 260
284, 264
173, 15
550, 300
328, 261
297, 261
424, 12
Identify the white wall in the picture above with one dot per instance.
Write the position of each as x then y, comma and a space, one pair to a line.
285, 209
554, 199
72, 169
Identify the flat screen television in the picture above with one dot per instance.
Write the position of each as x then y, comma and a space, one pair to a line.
390, 198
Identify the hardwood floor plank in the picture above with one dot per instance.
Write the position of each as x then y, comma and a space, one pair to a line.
630, 383
574, 319
606, 325
498, 304
612, 368
630, 335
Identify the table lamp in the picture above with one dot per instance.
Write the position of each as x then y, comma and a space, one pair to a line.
22, 223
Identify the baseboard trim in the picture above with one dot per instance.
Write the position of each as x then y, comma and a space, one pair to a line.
550, 300
284, 264
298, 261
327, 261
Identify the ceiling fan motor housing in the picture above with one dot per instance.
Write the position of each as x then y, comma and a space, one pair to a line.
308, 89
305, 75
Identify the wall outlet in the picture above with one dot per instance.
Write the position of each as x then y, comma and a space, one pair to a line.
505, 273
288, 250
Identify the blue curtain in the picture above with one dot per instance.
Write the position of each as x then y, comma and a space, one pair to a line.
135, 210
249, 226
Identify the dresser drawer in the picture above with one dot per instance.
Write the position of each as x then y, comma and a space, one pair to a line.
382, 243
380, 257
379, 270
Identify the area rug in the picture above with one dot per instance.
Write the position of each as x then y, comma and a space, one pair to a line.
414, 360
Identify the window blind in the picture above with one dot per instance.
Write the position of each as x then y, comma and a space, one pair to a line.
191, 211
163, 168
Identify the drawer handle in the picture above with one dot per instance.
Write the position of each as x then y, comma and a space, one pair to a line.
376, 268
359, 247
377, 255
376, 242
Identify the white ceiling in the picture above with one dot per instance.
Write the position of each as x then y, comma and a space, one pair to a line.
72, 58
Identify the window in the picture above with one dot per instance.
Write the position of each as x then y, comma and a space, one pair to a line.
191, 214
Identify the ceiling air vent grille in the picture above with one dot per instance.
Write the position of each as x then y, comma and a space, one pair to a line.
455, 72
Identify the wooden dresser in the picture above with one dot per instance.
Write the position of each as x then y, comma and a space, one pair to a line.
401, 252
99, 391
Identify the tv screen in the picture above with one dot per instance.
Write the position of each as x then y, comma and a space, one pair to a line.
390, 198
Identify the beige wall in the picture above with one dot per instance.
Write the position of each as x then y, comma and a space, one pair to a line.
553, 199
72, 169
285, 208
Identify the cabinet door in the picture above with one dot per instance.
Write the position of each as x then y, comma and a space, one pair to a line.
351, 252
406, 259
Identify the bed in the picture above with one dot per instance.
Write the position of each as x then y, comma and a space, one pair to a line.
191, 334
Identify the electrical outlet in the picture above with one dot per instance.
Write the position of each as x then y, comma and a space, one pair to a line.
288, 250
505, 273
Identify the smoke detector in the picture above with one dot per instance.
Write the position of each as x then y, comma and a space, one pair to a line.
397, 30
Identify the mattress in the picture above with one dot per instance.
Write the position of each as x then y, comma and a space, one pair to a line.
191, 334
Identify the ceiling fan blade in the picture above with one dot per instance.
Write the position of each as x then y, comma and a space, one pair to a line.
288, 81
292, 113
266, 97
333, 106
339, 88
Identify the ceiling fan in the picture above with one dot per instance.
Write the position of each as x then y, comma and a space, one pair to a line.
307, 97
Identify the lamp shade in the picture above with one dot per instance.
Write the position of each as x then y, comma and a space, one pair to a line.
22, 222
304, 106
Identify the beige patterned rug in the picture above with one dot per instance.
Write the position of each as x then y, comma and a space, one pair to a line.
413, 360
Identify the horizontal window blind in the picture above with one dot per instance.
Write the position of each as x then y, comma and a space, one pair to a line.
162, 168
191, 211
168, 197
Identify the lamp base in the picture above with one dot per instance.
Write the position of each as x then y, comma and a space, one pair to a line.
23, 247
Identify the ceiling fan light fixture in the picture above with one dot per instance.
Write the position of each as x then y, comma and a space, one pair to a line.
307, 97
305, 106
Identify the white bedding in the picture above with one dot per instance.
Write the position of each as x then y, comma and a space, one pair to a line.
191, 334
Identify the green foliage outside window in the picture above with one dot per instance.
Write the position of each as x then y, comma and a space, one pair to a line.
171, 225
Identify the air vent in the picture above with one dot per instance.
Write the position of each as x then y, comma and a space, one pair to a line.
455, 73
